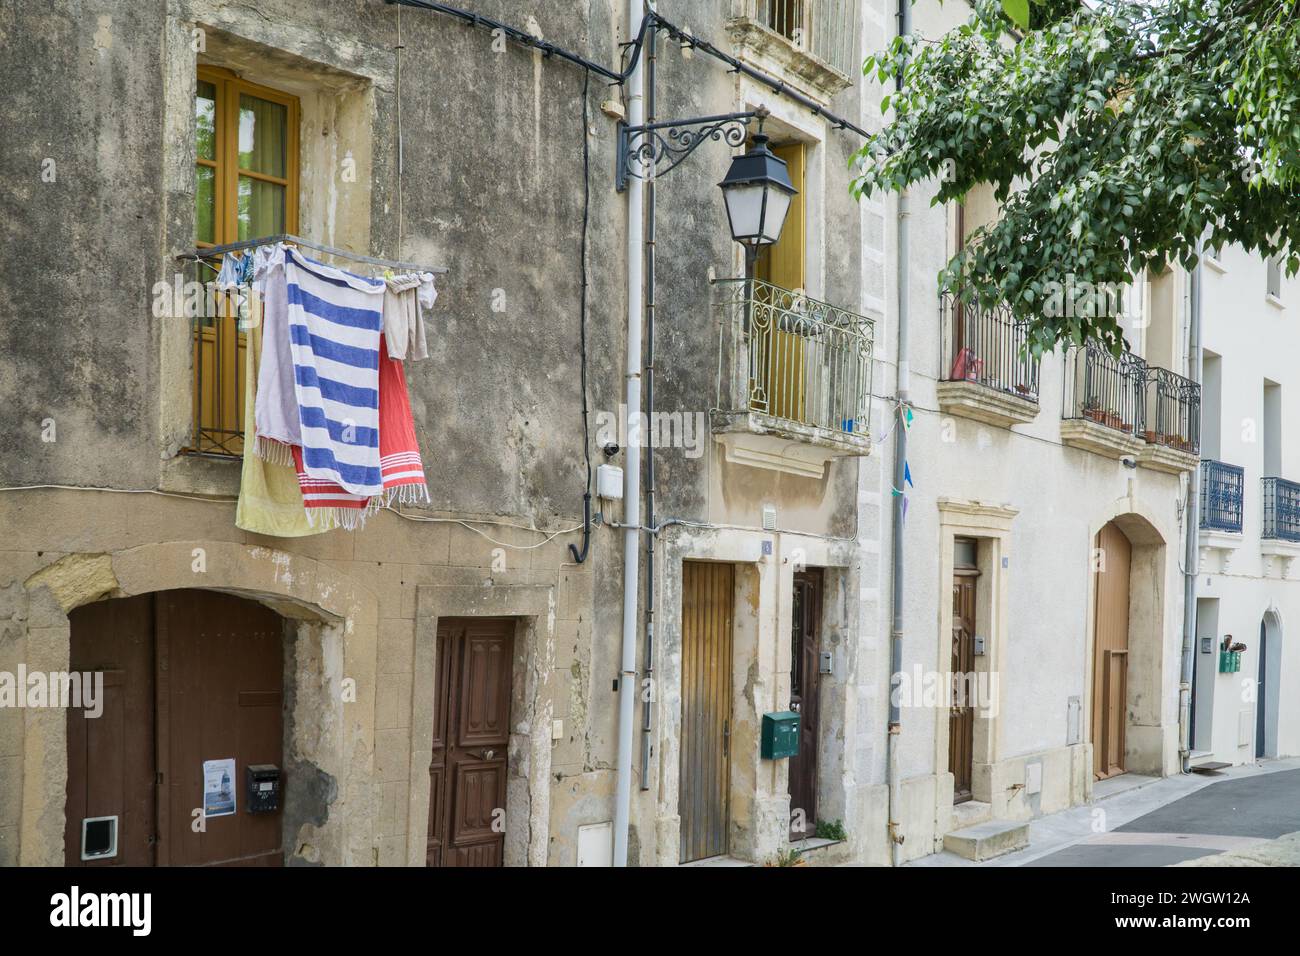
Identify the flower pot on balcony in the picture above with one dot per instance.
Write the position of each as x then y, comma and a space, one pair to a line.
1095, 415
1150, 437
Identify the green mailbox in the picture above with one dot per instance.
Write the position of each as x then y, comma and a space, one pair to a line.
780, 735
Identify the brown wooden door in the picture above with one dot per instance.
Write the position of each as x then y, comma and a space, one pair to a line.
961, 715
190, 676
471, 732
220, 696
703, 795
111, 768
1110, 650
805, 670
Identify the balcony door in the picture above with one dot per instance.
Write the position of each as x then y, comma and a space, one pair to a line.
785, 374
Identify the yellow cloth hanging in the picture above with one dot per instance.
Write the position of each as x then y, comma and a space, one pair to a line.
270, 499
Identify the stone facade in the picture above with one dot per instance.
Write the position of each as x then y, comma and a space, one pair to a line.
467, 153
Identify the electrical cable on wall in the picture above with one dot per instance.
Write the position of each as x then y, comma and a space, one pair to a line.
581, 556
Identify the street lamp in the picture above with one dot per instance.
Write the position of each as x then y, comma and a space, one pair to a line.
757, 191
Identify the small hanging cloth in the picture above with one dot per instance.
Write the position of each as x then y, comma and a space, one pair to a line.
405, 302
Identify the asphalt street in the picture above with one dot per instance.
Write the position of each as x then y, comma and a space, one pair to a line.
1230, 816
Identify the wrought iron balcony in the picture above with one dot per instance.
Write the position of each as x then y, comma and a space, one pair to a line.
1105, 389
793, 366
1172, 411
826, 29
1119, 406
987, 347
1280, 513
1222, 494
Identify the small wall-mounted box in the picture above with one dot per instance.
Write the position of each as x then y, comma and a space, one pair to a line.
609, 482
780, 735
263, 788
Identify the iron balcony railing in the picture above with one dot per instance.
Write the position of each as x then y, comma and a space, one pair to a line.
1124, 393
828, 29
987, 346
1223, 489
1172, 407
1281, 509
1103, 388
794, 358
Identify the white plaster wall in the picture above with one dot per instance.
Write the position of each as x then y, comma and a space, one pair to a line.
1256, 338
1063, 495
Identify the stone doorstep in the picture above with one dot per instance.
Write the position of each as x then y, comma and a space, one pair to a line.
984, 841
969, 813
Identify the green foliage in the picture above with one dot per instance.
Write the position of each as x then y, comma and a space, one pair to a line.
1115, 136
790, 857
831, 831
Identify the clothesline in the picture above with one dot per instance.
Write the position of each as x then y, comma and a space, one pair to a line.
209, 251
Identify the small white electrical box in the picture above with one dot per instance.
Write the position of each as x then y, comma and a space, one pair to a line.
609, 482
769, 518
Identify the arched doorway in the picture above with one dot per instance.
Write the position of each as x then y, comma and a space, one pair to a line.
1112, 564
181, 765
1268, 685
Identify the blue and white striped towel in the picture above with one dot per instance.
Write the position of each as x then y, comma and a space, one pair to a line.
335, 320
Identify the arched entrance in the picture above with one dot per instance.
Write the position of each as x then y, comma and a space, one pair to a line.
1268, 685
1112, 565
181, 765
1131, 642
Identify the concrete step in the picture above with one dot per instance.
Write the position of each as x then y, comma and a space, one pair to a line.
984, 841
1199, 757
969, 813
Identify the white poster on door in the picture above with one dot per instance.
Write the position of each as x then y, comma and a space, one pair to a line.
219, 787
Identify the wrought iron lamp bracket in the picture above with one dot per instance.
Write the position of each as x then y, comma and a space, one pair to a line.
663, 146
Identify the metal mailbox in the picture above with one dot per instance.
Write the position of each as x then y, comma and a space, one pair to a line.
780, 735
263, 788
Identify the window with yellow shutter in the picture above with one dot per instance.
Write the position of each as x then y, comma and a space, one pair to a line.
246, 186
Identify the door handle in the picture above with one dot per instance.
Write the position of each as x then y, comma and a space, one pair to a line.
486, 754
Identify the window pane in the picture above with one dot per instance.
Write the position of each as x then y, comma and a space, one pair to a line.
261, 208
263, 135
205, 117
205, 205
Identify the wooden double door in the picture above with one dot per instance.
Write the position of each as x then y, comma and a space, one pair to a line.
471, 734
1113, 564
188, 676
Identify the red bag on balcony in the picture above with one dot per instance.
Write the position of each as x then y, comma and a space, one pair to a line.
967, 366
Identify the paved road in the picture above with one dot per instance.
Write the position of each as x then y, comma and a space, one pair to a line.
1239, 818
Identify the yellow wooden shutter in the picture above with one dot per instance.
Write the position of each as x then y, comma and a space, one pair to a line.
782, 263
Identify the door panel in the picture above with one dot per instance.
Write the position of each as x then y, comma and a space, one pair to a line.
222, 659
467, 775
961, 719
703, 797
1110, 651
805, 663
111, 757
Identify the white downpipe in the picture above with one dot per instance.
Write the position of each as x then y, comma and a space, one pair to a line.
635, 93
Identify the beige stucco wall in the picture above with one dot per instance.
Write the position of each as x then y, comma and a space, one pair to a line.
356, 596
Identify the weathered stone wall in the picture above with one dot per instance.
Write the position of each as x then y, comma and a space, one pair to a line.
96, 389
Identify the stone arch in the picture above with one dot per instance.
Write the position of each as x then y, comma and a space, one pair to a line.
335, 633
1154, 626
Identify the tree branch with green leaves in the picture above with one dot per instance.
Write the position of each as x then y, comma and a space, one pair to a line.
1115, 135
